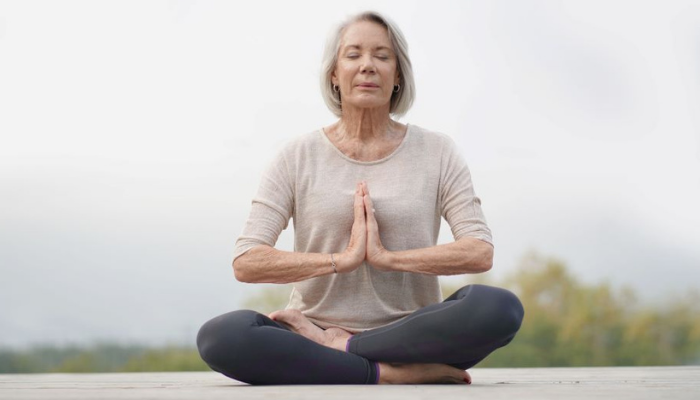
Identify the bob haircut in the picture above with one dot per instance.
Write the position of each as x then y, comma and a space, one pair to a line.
402, 100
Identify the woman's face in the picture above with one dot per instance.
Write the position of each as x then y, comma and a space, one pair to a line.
366, 69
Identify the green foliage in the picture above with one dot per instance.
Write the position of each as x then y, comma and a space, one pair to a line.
167, 359
568, 323
103, 358
16, 362
100, 358
270, 297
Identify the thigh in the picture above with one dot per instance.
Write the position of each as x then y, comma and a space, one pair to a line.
250, 347
460, 331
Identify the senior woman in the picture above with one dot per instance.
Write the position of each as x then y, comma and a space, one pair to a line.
367, 194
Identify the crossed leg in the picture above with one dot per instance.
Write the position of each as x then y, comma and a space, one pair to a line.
433, 345
337, 338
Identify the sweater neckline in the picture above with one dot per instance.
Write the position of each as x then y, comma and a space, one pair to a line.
409, 128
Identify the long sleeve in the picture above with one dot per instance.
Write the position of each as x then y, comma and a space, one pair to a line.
460, 206
272, 207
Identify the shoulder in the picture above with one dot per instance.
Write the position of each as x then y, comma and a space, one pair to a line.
294, 148
284, 157
299, 145
429, 135
433, 141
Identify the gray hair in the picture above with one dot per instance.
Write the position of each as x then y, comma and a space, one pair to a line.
402, 100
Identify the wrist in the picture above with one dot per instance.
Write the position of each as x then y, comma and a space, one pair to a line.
334, 265
385, 260
344, 262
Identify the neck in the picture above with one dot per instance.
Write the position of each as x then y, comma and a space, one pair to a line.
365, 125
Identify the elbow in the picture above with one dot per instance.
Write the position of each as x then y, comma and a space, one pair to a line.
247, 265
239, 271
246, 268
478, 256
486, 259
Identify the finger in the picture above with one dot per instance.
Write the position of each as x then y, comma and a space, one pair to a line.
372, 224
365, 190
369, 206
359, 204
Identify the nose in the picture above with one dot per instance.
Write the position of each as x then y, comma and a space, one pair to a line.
367, 65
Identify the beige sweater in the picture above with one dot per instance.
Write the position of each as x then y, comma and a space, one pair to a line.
313, 182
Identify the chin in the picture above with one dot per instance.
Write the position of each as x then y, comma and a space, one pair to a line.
369, 103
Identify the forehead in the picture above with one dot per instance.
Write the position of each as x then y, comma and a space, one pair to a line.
365, 34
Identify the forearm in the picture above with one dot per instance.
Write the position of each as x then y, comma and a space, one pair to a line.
265, 264
465, 256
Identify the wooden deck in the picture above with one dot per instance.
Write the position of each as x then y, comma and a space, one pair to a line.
521, 383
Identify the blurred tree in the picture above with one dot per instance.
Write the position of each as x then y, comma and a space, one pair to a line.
167, 359
83, 362
269, 298
103, 357
570, 324
448, 287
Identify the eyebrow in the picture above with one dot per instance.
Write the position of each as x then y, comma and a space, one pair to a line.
357, 46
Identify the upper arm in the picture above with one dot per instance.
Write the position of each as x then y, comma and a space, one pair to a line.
460, 206
271, 208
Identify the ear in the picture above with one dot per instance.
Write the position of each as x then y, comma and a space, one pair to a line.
397, 78
334, 78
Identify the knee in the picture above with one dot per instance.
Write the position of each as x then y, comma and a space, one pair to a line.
509, 309
222, 339
502, 310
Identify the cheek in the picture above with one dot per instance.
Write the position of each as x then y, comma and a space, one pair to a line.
393, 72
345, 76
346, 70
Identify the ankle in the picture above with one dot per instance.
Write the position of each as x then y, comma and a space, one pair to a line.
339, 342
337, 338
388, 374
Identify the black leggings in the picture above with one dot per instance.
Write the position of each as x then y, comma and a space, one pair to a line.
460, 331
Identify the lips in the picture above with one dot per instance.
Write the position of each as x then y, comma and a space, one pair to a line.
368, 84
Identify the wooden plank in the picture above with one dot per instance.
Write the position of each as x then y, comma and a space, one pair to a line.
507, 383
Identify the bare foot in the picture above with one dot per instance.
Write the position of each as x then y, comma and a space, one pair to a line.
335, 338
390, 373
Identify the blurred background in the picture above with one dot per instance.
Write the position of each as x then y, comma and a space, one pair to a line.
133, 135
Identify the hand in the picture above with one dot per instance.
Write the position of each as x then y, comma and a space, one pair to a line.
376, 255
354, 254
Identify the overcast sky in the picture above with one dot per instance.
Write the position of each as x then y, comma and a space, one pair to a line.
133, 135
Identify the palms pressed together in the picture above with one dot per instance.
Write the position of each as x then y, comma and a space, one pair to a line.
364, 245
